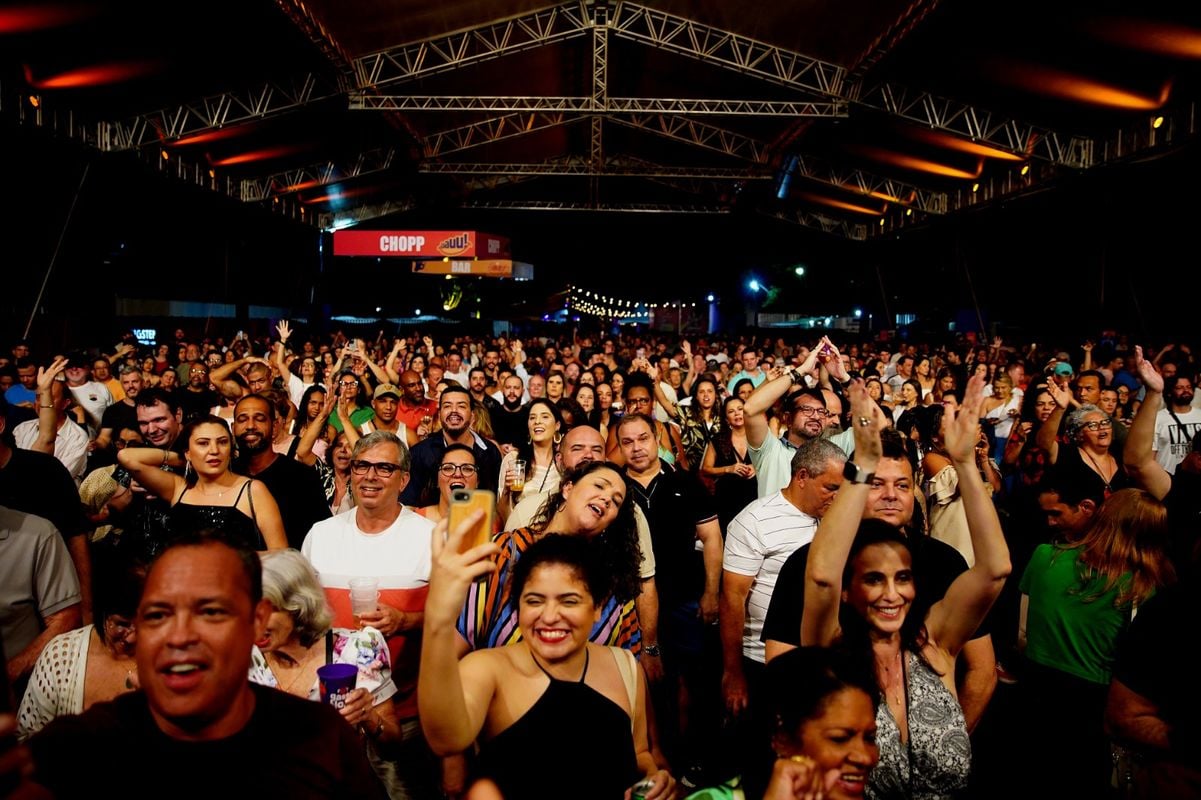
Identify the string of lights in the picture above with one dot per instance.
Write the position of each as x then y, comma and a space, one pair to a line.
586, 301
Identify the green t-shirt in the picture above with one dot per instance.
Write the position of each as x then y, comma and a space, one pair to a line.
357, 417
1064, 629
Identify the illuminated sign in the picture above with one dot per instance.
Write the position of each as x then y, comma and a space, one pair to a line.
420, 244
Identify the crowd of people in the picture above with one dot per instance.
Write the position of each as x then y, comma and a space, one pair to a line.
728, 566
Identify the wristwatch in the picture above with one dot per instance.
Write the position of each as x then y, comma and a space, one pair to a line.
856, 474
652, 650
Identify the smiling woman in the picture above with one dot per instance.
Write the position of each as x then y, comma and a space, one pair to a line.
554, 680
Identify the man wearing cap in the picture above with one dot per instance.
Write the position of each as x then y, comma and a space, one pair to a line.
296, 488
91, 396
385, 402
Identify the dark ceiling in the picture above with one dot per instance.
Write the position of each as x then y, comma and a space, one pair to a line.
825, 126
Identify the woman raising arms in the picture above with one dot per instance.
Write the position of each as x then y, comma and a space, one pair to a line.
535, 690
859, 591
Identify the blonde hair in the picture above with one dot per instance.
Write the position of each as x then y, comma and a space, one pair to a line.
1125, 548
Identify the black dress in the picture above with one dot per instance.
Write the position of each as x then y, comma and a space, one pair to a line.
732, 492
187, 518
573, 742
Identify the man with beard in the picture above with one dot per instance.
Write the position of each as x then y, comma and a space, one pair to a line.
772, 457
455, 415
509, 416
296, 488
1180, 492
1177, 423
197, 397
477, 383
413, 405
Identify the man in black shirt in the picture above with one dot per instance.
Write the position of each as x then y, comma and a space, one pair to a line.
295, 487
197, 727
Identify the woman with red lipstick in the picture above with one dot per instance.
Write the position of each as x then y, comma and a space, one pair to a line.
822, 710
860, 592
209, 495
556, 716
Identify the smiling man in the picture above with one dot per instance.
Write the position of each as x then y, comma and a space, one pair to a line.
454, 412
383, 539
200, 612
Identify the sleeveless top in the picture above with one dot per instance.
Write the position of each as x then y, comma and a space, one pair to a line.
573, 742
937, 760
187, 518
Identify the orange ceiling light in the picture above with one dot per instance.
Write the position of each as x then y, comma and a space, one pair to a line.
1163, 38
959, 144
1081, 89
27, 19
97, 75
299, 187
821, 199
260, 155
213, 136
906, 161
338, 194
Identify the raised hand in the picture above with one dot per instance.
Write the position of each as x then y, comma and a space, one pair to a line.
452, 572
47, 376
1062, 395
283, 329
867, 420
1146, 372
961, 432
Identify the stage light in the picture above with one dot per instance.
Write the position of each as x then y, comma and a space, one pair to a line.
35, 100
753, 285
800, 272
858, 313
417, 312
1025, 169
1155, 123
710, 298
975, 187
166, 155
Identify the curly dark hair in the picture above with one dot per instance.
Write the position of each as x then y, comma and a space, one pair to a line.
620, 553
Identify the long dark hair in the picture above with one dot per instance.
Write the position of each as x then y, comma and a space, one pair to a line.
525, 448
856, 633
723, 440
621, 554
185, 436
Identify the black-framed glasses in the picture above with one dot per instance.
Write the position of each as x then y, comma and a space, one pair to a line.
1099, 424
811, 411
450, 470
382, 468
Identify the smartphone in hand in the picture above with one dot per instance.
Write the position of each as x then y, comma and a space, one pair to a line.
465, 501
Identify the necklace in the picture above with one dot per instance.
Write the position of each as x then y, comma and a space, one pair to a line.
1097, 468
894, 680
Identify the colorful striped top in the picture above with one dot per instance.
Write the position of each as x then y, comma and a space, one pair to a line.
489, 617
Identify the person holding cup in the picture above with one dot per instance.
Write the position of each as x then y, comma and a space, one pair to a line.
530, 467
298, 641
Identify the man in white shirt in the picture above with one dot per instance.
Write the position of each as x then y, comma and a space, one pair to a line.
93, 397
1176, 424
53, 431
381, 538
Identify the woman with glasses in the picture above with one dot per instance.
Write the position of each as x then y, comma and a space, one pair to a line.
457, 470
1088, 457
92, 664
353, 404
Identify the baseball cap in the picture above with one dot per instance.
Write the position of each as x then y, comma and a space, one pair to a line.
386, 388
1063, 368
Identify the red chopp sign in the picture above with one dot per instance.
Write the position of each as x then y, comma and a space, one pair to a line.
420, 244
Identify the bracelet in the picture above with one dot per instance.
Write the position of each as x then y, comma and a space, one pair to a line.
42, 406
166, 455
652, 650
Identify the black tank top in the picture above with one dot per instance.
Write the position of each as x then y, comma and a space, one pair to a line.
573, 742
188, 518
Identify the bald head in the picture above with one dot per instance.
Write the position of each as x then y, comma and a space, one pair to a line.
580, 445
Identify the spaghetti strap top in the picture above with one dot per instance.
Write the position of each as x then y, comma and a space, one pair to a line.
581, 741
184, 518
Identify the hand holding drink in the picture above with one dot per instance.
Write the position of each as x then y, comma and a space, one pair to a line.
516, 476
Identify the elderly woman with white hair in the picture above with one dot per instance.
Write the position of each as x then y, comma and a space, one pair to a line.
298, 639
1088, 456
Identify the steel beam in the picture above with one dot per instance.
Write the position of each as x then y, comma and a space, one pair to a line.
733, 51
494, 129
216, 111
353, 216
821, 222
473, 45
859, 182
313, 175
557, 205
364, 101
700, 134
578, 166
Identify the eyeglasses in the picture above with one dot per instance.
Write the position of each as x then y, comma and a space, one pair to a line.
638, 401
348, 383
1099, 425
450, 470
382, 468
811, 411
197, 371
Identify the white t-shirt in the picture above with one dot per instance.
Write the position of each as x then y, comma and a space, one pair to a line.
758, 542
399, 556
1173, 441
94, 397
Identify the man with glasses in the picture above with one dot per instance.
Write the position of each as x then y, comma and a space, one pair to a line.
456, 416
197, 396
772, 457
384, 539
